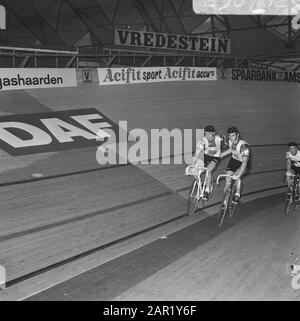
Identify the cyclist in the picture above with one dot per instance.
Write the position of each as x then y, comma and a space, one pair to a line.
239, 161
209, 150
293, 162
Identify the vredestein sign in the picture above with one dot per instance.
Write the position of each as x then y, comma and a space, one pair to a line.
170, 41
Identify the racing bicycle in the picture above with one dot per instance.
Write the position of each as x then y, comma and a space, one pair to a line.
292, 196
227, 206
197, 190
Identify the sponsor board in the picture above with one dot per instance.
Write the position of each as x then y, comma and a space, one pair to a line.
87, 75
118, 76
264, 75
31, 78
156, 40
54, 131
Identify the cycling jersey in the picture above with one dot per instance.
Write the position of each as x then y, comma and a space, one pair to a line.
295, 159
211, 148
239, 150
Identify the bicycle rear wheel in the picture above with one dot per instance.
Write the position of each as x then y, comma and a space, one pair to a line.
193, 200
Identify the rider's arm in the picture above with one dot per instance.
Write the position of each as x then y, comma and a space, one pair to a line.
225, 149
289, 165
243, 167
226, 152
245, 157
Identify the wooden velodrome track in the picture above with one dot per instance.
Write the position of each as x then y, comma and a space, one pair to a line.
80, 215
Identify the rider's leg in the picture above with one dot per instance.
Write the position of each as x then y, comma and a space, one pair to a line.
210, 168
288, 179
237, 195
238, 187
238, 184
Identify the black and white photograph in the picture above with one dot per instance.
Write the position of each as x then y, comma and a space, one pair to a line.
149, 152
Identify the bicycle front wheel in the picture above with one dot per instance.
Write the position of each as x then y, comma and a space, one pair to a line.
223, 208
222, 214
193, 199
288, 205
232, 206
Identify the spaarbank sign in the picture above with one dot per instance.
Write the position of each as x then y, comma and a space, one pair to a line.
54, 131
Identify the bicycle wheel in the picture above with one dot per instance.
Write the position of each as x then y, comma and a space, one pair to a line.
224, 208
297, 198
222, 214
231, 206
193, 199
288, 204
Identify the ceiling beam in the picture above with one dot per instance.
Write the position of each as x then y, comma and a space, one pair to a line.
59, 15
144, 13
161, 16
104, 13
290, 34
79, 16
212, 21
115, 12
38, 18
178, 17
247, 28
23, 21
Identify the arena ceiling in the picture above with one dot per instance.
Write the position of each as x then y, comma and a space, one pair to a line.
71, 23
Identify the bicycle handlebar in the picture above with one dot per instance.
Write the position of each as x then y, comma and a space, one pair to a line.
226, 175
201, 169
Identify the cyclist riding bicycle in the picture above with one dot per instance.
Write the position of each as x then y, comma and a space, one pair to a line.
209, 150
293, 162
239, 161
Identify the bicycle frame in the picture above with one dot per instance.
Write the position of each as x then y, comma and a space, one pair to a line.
197, 189
229, 187
228, 205
200, 185
295, 184
294, 189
